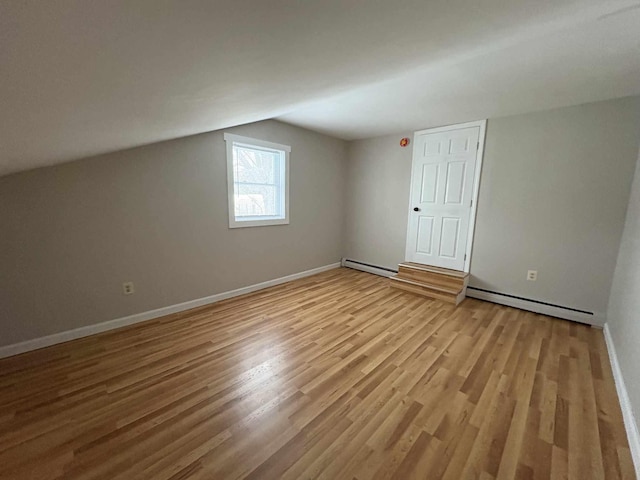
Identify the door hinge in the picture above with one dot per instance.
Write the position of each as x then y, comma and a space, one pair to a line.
471, 203
478, 145
465, 257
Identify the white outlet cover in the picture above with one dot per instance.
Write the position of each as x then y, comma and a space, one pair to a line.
127, 288
532, 275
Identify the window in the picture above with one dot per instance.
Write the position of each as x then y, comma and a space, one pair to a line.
257, 182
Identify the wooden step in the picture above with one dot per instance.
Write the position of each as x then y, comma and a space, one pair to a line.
433, 276
430, 268
449, 295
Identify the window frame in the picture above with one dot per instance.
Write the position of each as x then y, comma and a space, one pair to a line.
231, 139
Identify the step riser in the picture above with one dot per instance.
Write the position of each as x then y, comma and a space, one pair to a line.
437, 270
425, 291
431, 278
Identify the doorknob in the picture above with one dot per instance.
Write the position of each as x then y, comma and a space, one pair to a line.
416, 209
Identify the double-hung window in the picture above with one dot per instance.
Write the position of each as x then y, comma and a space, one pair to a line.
257, 182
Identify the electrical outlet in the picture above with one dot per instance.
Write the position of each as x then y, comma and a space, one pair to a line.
127, 288
532, 275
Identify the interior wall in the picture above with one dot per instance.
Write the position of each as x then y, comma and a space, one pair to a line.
157, 216
377, 200
623, 317
554, 192
553, 196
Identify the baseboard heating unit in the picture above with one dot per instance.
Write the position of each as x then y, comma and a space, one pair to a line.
367, 267
550, 309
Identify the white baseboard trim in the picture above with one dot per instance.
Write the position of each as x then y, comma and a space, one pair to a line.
365, 267
630, 423
523, 304
81, 332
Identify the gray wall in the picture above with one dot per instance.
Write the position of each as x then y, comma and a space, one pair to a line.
157, 216
553, 196
554, 190
378, 175
624, 305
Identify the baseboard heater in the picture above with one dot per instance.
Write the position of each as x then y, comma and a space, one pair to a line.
537, 306
367, 267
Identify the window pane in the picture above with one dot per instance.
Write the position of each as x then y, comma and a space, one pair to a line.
255, 165
256, 200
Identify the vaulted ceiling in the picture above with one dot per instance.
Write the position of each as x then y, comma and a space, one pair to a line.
84, 77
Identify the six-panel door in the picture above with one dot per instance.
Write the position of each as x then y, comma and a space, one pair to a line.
442, 179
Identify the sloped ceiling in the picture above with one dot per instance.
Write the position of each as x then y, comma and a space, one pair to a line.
84, 77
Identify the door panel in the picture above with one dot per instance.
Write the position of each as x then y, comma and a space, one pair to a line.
455, 183
449, 237
442, 179
429, 186
424, 237
458, 144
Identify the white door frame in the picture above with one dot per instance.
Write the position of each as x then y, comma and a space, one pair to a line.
482, 124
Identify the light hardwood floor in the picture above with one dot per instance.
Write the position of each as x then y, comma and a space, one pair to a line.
333, 376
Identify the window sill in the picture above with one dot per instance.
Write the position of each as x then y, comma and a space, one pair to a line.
258, 223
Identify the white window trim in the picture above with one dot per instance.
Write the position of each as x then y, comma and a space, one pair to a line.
230, 139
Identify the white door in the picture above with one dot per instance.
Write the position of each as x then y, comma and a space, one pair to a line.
442, 188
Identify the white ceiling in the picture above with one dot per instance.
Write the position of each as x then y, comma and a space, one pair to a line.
83, 77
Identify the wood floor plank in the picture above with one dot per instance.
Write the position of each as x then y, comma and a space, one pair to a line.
331, 376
